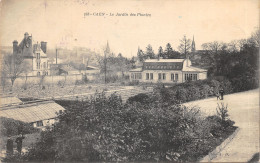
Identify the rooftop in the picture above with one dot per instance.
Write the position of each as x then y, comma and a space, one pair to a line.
32, 112
164, 60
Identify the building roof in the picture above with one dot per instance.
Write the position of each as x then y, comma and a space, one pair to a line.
164, 60
7, 100
139, 69
32, 112
193, 69
92, 68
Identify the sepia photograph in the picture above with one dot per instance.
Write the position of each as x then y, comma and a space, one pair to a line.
129, 81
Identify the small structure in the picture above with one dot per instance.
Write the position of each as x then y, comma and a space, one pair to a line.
40, 114
91, 70
167, 71
63, 69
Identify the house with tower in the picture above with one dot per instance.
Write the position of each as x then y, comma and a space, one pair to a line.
33, 55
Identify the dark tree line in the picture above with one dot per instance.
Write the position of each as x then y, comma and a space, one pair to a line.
237, 61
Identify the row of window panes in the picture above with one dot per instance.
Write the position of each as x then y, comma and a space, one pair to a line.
174, 77
44, 65
38, 65
38, 55
161, 67
39, 123
44, 73
149, 76
136, 76
191, 77
161, 76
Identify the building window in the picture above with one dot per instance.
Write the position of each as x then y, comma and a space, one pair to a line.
164, 76
38, 65
151, 76
38, 73
147, 76
165, 67
44, 64
159, 76
191, 77
172, 77
38, 56
132, 75
39, 123
194, 77
176, 77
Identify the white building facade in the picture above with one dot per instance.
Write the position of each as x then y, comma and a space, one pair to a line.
167, 71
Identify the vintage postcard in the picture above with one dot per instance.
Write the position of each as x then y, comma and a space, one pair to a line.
129, 81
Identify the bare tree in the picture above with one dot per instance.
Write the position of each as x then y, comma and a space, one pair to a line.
215, 46
3, 79
185, 45
14, 67
233, 46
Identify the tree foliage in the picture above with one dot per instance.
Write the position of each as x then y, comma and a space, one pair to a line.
104, 129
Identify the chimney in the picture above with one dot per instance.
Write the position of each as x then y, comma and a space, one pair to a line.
56, 56
187, 60
44, 46
15, 47
26, 35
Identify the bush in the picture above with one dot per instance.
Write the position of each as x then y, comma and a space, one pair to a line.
11, 127
142, 98
244, 83
132, 83
105, 129
79, 82
61, 83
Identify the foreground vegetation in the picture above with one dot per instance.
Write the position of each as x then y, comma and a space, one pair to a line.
104, 129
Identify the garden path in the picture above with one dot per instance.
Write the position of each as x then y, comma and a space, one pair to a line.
243, 108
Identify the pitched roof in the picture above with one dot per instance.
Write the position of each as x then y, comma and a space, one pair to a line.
7, 100
191, 68
92, 68
164, 60
32, 112
139, 69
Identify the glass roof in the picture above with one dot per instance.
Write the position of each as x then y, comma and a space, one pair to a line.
32, 112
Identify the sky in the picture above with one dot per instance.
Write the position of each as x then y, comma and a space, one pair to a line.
62, 22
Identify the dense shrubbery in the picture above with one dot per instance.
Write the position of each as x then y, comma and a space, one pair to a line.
105, 129
11, 127
194, 90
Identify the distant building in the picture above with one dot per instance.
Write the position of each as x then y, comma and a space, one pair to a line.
91, 70
167, 71
34, 55
63, 69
